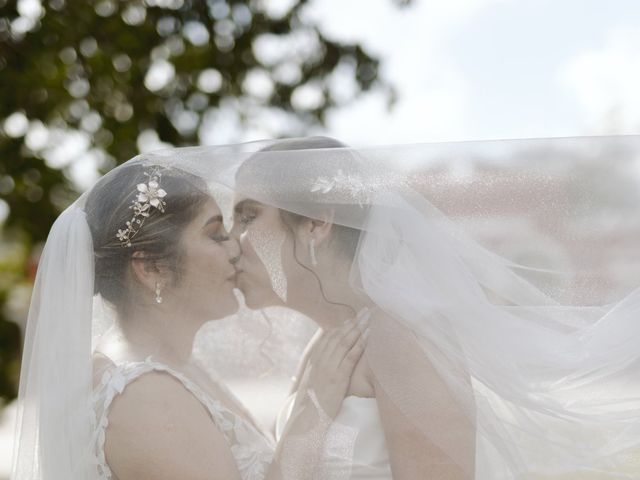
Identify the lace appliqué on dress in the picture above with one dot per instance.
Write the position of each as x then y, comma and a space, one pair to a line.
252, 451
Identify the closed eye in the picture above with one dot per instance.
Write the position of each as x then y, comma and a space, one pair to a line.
245, 212
246, 219
220, 238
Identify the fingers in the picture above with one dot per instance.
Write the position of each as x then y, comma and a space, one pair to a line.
345, 343
329, 339
342, 338
354, 354
338, 344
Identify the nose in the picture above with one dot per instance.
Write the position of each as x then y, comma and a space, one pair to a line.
236, 230
233, 249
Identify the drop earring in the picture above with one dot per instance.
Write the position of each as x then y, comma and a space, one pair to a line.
158, 297
312, 252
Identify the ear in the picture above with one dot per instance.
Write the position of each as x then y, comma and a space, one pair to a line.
320, 228
146, 270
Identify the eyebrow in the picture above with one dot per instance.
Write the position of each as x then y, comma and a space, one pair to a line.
214, 219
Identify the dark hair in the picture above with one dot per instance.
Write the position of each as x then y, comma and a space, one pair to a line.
285, 170
108, 210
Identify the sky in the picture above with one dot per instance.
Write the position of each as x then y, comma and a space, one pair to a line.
491, 69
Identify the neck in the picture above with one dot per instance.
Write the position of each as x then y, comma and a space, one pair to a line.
161, 331
343, 302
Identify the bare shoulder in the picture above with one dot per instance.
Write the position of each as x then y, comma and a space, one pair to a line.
158, 429
405, 376
378, 322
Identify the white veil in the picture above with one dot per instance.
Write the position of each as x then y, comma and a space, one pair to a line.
510, 263
55, 418
506, 270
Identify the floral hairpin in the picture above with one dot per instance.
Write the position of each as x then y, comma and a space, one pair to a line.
353, 185
148, 195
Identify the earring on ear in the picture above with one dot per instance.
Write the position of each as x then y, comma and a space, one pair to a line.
312, 252
158, 297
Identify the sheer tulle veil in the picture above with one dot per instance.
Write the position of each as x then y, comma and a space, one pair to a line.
511, 266
55, 415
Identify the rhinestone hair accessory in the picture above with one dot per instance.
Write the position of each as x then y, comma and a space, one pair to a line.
148, 195
356, 188
351, 184
341, 180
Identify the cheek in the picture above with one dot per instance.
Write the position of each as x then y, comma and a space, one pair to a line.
267, 245
260, 242
248, 251
209, 263
293, 270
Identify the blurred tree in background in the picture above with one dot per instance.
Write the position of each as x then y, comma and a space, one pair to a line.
87, 84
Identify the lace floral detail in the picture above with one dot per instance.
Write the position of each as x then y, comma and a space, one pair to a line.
352, 184
252, 451
251, 461
356, 188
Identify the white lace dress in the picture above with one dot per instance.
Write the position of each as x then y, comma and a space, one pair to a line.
252, 450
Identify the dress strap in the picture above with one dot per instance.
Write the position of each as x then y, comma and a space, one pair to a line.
115, 379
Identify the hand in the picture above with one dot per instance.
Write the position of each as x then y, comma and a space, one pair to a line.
331, 365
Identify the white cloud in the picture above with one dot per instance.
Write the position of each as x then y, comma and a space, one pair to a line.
605, 82
411, 43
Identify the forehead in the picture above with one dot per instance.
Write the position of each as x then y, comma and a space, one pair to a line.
242, 201
210, 207
207, 210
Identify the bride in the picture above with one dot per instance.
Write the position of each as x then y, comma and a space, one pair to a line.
149, 241
304, 263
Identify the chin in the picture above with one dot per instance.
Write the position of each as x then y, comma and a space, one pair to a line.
260, 298
256, 294
252, 300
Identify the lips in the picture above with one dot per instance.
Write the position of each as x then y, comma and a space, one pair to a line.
233, 277
238, 268
241, 279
